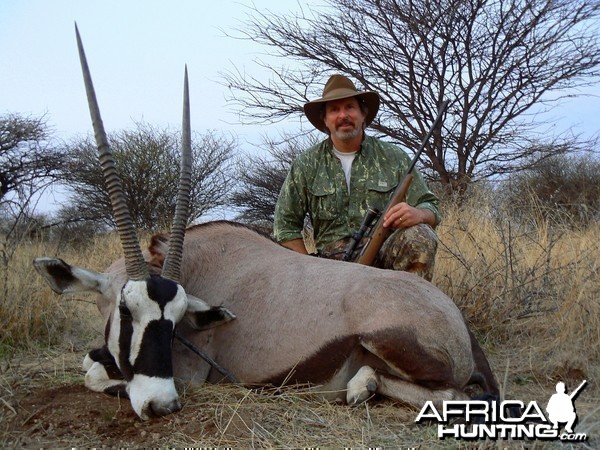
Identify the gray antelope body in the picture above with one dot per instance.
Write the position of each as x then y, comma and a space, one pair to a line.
348, 330
265, 313
318, 321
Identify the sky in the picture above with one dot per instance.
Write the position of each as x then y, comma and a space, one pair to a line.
137, 50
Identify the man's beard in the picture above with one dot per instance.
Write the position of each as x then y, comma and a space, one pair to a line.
347, 135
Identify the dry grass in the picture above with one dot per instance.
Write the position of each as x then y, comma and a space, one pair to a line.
35, 317
531, 294
64, 414
533, 291
293, 417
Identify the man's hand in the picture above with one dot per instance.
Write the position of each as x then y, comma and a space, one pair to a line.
296, 245
402, 215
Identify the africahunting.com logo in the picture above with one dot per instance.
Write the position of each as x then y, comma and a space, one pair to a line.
509, 419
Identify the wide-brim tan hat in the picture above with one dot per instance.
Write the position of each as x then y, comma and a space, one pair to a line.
337, 88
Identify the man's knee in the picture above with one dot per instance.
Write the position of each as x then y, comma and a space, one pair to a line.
410, 249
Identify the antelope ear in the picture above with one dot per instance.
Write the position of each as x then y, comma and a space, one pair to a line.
202, 316
64, 279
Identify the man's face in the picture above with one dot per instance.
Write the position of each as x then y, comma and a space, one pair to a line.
344, 118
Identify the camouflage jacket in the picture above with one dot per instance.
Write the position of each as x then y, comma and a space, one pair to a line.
316, 185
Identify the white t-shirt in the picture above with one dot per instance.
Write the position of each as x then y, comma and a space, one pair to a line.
346, 160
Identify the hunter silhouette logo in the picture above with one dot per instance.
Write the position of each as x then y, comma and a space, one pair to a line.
509, 419
561, 408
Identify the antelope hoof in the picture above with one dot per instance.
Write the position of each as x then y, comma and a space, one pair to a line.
226, 314
362, 386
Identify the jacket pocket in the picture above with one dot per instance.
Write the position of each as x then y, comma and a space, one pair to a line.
325, 202
379, 191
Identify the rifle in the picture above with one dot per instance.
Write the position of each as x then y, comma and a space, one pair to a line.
365, 227
576, 391
378, 233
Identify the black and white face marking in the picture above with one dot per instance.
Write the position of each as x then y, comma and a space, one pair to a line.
138, 333
140, 338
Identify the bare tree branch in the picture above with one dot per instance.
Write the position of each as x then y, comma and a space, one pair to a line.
148, 163
495, 60
260, 178
26, 156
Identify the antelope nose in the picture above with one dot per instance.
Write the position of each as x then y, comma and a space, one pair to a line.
160, 409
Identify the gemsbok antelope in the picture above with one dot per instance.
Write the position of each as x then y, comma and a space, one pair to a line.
347, 330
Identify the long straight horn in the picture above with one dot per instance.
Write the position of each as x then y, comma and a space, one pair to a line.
134, 260
172, 264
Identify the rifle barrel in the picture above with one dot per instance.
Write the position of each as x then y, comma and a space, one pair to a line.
576, 391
